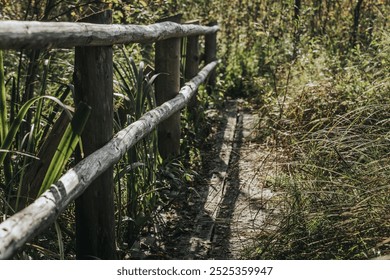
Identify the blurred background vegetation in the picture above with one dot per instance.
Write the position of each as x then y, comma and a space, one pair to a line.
316, 71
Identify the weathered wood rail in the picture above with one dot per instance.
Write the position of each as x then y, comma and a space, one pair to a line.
30, 221
68, 35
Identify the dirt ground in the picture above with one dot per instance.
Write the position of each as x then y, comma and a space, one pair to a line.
221, 216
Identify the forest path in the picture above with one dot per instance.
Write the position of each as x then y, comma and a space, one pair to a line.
220, 216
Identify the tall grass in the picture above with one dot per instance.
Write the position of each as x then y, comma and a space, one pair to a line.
333, 190
136, 176
3, 102
28, 141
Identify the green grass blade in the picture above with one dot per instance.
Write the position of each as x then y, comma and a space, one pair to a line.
149, 89
140, 96
30, 144
60, 240
66, 147
53, 111
9, 138
37, 132
125, 86
3, 106
19, 153
4, 123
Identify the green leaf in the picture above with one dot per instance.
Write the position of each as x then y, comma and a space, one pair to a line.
3, 100
67, 145
60, 240
10, 136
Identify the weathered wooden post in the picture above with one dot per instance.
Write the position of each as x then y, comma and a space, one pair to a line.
211, 55
93, 79
167, 86
192, 69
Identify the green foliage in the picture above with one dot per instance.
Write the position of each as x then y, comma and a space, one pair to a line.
66, 147
136, 174
138, 170
328, 110
322, 81
336, 191
3, 105
8, 140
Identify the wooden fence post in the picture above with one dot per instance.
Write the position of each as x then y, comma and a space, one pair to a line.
192, 69
211, 55
167, 86
93, 79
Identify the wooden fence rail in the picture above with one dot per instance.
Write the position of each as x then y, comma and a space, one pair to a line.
39, 35
30, 221
24, 225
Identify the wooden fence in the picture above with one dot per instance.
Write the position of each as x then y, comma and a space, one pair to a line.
91, 180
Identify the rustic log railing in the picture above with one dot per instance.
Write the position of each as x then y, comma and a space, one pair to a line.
30, 221
38, 35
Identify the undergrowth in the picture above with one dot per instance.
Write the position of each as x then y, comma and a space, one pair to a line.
323, 88
331, 117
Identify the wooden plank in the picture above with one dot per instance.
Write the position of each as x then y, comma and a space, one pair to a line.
93, 79
41, 35
167, 86
27, 223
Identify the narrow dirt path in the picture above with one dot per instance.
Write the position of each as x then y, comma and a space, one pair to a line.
243, 210
228, 208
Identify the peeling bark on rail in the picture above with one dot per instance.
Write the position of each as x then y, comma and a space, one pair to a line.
24, 225
40, 35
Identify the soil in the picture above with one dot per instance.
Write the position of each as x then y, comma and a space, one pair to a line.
220, 216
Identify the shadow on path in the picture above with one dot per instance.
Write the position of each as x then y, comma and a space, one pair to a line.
224, 220
191, 233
